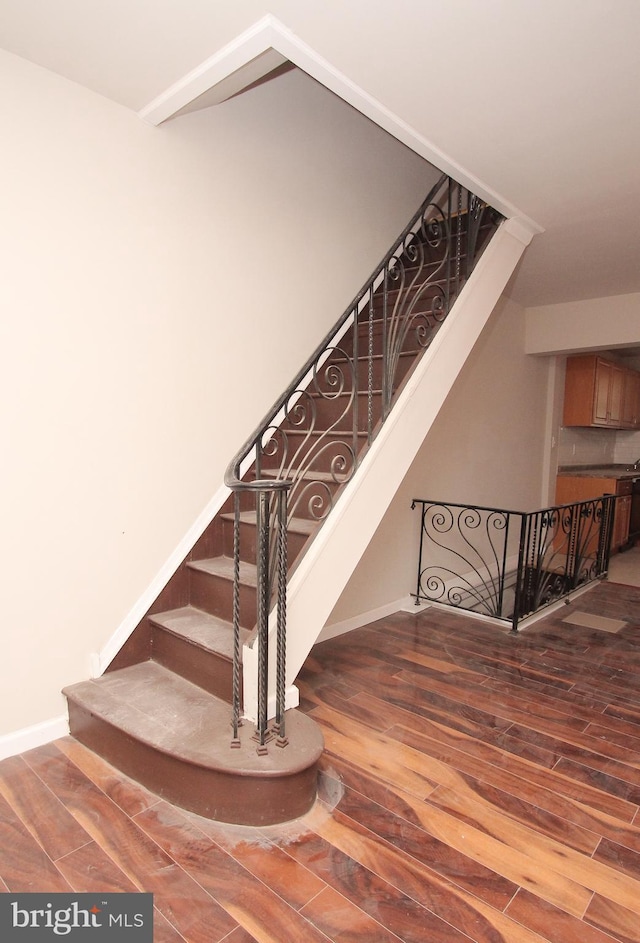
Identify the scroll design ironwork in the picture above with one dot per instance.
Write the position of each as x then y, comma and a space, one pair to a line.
312, 440
510, 564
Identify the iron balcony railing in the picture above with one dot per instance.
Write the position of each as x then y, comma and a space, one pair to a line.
510, 564
311, 441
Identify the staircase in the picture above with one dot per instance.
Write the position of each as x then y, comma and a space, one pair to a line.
162, 712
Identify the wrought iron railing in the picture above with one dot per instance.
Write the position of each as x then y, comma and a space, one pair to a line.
510, 564
311, 441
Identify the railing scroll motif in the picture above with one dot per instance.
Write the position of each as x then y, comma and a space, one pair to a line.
312, 440
510, 564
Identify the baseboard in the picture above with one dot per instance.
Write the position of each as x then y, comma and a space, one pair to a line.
348, 625
11, 744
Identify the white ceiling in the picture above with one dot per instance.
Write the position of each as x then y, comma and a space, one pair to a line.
537, 100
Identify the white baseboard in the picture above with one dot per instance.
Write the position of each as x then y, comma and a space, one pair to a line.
29, 737
341, 628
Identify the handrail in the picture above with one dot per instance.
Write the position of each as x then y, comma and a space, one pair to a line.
510, 564
233, 477
309, 444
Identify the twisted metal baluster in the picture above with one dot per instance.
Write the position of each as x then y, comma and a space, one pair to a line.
281, 661
283, 451
458, 241
370, 372
520, 574
236, 722
263, 611
448, 254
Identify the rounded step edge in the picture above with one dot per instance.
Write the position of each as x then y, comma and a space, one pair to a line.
231, 785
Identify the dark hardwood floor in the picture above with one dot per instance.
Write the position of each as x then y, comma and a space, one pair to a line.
476, 785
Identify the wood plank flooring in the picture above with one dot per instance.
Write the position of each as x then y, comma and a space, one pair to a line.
476, 785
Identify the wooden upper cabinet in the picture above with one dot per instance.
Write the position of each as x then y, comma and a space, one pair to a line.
601, 393
631, 400
616, 394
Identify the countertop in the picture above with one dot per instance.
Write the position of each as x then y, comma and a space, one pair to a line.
599, 471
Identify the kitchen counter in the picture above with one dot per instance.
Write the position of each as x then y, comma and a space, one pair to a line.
619, 472
577, 483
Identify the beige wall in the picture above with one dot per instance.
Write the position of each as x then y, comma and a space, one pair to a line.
150, 277
486, 447
610, 325
595, 324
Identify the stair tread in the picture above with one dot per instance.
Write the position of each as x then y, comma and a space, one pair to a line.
310, 475
152, 704
200, 628
223, 566
340, 434
364, 358
297, 525
343, 394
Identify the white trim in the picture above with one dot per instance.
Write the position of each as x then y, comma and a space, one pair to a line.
235, 55
523, 624
11, 744
365, 618
100, 661
320, 578
291, 699
268, 33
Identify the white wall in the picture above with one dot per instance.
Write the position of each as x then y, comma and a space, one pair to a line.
595, 324
486, 447
150, 277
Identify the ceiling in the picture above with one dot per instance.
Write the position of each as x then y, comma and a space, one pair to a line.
536, 101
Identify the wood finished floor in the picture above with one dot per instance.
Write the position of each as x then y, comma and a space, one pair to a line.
475, 786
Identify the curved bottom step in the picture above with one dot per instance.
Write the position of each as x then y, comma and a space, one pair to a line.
174, 738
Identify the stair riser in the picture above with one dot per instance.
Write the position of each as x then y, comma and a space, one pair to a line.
214, 594
407, 299
250, 799
248, 542
408, 344
315, 455
209, 670
338, 413
327, 410
405, 363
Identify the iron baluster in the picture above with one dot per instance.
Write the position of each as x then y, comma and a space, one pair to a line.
235, 706
312, 439
520, 574
281, 637
370, 371
262, 508
458, 240
422, 525
448, 255
559, 548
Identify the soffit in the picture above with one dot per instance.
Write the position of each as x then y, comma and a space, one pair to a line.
537, 100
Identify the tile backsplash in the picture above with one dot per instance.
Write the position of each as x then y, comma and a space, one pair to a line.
627, 449
578, 446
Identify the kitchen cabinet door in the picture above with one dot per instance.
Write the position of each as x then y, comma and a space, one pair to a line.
616, 395
621, 522
570, 488
602, 382
631, 401
596, 393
